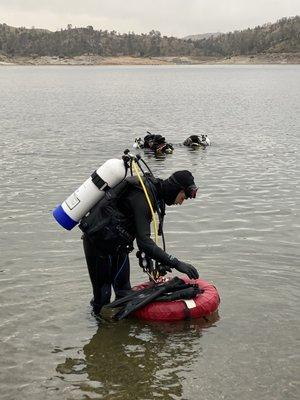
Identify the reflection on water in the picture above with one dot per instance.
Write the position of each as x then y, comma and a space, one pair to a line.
137, 360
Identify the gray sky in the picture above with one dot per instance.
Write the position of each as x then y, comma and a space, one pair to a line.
170, 17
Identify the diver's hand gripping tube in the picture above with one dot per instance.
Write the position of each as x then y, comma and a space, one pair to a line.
70, 212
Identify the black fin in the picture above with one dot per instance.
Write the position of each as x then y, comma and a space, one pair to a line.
131, 294
183, 294
144, 297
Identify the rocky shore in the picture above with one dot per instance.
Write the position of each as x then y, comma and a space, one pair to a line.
272, 58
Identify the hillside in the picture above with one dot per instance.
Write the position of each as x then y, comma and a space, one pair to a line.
282, 37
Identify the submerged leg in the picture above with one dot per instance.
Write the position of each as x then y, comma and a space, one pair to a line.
100, 271
121, 273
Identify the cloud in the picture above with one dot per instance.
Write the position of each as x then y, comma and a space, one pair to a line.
171, 17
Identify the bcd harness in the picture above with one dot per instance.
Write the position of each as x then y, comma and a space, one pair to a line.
107, 222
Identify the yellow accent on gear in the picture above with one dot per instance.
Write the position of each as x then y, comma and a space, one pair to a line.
148, 200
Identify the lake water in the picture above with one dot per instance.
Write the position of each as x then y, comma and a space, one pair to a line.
58, 124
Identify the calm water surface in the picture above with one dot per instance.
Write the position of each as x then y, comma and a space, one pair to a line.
242, 232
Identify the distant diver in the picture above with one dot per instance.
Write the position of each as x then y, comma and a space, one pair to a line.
195, 141
155, 143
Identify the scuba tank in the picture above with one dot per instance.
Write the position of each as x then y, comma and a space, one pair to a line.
70, 212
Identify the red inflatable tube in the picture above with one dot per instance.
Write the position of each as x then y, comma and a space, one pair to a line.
202, 305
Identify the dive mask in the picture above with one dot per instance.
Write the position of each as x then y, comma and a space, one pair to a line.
190, 192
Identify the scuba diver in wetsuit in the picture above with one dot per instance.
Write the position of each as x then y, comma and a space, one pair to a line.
196, 140
110, 229
157, 143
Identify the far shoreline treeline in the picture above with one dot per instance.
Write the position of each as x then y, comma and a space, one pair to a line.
282, 36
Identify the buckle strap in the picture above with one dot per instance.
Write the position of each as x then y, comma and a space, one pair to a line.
99, 182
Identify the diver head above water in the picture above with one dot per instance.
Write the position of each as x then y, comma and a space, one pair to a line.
178, 187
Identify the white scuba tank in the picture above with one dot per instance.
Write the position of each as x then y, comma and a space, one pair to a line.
70, 212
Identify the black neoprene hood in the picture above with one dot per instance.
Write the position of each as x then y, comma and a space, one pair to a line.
180, 180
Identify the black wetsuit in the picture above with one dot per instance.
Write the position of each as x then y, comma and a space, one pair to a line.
108, 264
157, 143
192, 140
106, 271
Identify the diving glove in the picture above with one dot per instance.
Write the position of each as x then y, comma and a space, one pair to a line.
187, 269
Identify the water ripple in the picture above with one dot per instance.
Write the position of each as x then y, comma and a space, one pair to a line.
241, 232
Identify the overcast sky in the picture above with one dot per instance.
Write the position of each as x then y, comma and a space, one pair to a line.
171, 17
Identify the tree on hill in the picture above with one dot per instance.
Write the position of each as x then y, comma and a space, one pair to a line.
282, 36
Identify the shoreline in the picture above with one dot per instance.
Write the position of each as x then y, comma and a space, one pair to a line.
259, 59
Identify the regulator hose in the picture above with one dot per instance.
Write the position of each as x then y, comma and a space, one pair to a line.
136, 170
